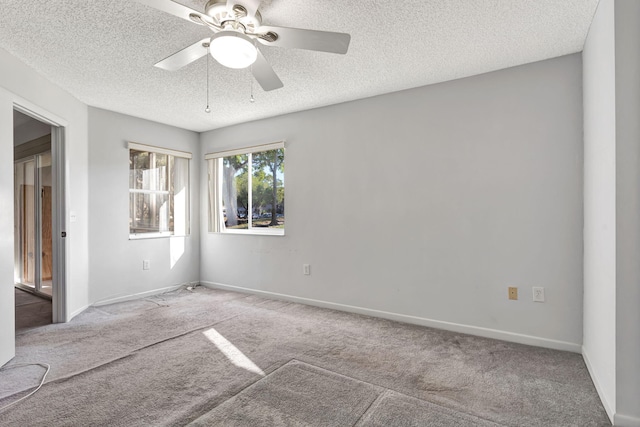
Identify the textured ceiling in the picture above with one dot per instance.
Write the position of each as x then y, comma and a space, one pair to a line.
103, 52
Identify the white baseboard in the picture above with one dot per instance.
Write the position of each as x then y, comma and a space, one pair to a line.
136, 296
596, 382
438, 324
626, 421
78, 311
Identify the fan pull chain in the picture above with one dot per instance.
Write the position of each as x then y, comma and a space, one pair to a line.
207, 109
252, 99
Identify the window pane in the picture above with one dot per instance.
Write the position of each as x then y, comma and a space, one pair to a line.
161, 172
138, 164
267, 189
149, 213
149, 171
179, 189
235, 194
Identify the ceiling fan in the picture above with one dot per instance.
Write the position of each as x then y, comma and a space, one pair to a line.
237, 28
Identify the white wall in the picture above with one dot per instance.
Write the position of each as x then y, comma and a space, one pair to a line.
428, 203
115, 261
26, 87
7, 319
611, 69
627, 35
599, 342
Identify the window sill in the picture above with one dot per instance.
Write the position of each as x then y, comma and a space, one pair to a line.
254, 232
154, 236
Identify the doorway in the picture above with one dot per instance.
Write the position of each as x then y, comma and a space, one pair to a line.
34, 182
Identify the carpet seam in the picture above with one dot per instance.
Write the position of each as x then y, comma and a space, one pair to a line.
404, 394
110, 361
243, 389
378, 397
183, 334
68, 377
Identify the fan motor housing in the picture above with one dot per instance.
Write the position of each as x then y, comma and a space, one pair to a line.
217, 10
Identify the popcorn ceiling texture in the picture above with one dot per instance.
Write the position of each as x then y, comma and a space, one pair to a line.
103, 52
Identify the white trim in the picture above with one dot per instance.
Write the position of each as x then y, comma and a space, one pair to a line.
596, 382
626, 421
144, 147
438, 324
61, 259
155, 235
139, 191
245, 150
136, 296
30, 109
255, 231
78, 311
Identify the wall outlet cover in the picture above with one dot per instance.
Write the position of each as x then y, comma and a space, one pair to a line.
513, 293
538, 294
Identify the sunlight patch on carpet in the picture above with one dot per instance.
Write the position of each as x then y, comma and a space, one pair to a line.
232, 352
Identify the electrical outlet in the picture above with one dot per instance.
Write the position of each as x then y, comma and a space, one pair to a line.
306, 269
513, 292
538, 294
146, 264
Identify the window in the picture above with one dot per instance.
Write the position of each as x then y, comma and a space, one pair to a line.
158, 192
246, 190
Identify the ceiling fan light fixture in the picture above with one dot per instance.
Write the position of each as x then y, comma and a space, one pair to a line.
233, 49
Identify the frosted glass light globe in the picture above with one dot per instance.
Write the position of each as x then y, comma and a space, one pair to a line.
233, 49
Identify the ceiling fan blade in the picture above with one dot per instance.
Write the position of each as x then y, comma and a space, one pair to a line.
323, 41
251, 6
176, 9
185, 56
264, 74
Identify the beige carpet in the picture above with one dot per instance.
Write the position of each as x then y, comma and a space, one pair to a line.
223, 358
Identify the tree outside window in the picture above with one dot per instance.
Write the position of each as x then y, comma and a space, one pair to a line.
251, 196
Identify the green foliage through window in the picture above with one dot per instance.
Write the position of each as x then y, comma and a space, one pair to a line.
253, 190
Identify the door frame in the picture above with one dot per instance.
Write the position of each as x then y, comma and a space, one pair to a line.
58, 206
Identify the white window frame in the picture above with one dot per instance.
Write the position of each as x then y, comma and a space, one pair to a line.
215, 178
153, 151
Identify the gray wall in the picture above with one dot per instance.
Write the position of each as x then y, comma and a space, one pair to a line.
425, 205
7, 317
599, 346
115, 262
627, 35
611, 62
